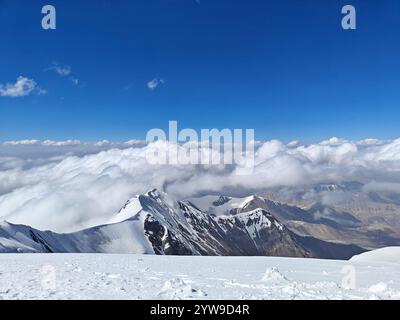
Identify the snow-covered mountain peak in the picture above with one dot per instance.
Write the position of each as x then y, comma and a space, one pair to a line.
155, 223
142, 202
224, 205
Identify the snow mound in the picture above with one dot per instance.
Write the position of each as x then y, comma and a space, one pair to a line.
179, 289
387, 255
381, 291
378, 288
273, 275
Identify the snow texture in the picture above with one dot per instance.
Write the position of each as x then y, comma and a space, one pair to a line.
99, 276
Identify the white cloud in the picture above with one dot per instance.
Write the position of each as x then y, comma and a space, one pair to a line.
40, 91
156, 82
67, 185
385, 187
21, 88
74, 80
293, 144
21, 142
61, 143
64, 71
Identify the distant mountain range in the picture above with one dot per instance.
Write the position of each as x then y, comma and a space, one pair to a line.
153, 223
347, 213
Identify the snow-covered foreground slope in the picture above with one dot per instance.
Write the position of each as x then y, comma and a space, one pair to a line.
386, 255
99, 276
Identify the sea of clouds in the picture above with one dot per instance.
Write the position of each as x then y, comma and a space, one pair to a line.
69, 185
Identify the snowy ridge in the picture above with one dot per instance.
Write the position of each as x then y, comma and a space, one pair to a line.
125, 237
131, 208
220, 205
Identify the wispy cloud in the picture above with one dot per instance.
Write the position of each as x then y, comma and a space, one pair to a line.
21, 88
155, 83
64, 71
74, 80
128, 87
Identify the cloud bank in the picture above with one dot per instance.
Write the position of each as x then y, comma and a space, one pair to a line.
69, 185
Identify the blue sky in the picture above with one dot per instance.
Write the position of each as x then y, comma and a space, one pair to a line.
285, 68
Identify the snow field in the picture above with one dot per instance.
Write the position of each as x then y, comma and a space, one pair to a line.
98, 276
